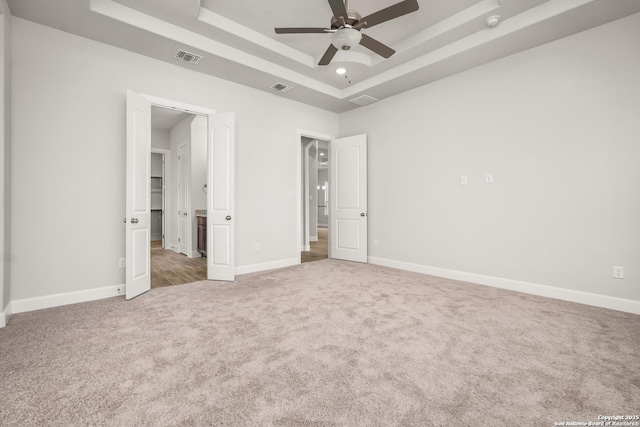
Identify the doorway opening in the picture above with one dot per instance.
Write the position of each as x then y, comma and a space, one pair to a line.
178, 196
315, 196
219, 154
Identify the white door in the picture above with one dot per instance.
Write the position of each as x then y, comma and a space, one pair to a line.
138, 198
348, 198
183, 199
220, 200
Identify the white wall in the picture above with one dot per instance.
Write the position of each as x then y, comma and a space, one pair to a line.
198, 175
323, 176
179, 135
198, 162
313, 192
192, 131
558, 126
72, 159
5, 159
160, 137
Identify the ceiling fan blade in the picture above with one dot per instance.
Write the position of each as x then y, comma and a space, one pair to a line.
374, 45
328, 55
391, 12
301, 30
337, 6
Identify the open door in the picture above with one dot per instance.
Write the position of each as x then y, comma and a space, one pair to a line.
138, 199
220, 200
348, 198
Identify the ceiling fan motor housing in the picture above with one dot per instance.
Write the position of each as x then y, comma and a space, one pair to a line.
352, 18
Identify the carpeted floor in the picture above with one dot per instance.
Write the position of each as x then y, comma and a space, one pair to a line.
327, 343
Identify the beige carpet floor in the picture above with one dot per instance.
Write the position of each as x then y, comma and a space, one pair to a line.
327, 343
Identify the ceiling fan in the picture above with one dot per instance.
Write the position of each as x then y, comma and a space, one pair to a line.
346, 25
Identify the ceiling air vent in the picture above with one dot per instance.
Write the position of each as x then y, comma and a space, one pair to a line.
363, 100
188, 56
281, 87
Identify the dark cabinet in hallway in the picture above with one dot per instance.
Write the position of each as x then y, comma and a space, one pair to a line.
202, 235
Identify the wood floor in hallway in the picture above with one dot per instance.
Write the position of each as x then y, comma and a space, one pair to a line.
169, 268
320, 249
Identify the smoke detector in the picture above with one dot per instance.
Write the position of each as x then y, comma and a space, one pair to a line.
492, 21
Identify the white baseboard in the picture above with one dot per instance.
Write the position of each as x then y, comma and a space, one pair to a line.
306, 248
597, 300
313, 238
194, 254
245, 269
5, 316
38, 303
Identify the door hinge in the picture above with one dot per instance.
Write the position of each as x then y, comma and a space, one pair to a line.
178, 240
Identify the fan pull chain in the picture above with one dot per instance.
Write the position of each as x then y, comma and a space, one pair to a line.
346, 65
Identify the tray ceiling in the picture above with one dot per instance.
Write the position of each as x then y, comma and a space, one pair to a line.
237, 40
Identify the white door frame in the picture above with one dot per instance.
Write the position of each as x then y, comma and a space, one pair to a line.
187, 108
166, 166
300, 240
306, 241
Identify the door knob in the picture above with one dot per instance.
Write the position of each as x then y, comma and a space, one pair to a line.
363, 214
134, 220
228, 218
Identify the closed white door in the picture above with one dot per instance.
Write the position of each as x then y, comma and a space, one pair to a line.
348, 198
183, 199
220, 197
138, 203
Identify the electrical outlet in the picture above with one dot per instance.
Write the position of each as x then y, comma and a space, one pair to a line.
618, 272
463, 180
256, 247
375, 243
488, 179
122, 263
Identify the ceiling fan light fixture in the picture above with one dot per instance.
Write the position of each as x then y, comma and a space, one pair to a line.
341, 70
346, 37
